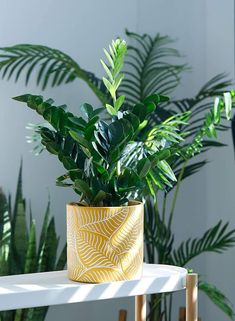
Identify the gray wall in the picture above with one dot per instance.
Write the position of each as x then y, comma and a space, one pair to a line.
205, 34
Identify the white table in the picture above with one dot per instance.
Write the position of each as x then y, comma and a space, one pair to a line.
52, 288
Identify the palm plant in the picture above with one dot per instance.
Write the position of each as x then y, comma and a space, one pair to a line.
19, 252
148, 69
145, 74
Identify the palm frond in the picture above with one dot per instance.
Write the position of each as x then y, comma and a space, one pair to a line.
216, 85
218, 298
198, 105
216, 239
148, 67
52, 67
193, 168
189, 169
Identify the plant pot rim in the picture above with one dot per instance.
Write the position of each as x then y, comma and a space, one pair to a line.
132, 203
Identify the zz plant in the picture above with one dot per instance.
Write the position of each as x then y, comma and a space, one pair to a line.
95, 152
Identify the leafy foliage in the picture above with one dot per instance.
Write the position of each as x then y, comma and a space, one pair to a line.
93, 150
159, 240
19, 252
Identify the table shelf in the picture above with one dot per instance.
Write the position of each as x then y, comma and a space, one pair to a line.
52, 288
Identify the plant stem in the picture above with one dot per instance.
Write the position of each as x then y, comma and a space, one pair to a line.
155, 307
170, 305
176, 193
164, 207
165, 308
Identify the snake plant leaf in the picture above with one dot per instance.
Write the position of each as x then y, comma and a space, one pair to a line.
19, 227
5, 222
38, 314
20, 234
5, 235
33, 261
31, 254
48, 251
218, 298
43, 234
61, 262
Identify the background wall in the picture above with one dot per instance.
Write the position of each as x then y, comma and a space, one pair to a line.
205, 35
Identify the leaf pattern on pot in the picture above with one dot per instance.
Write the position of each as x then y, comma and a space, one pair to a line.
104, 244
127, 236
101, 220
94, 250
104, 274
131, 263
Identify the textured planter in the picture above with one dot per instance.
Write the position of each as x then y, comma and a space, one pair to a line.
105, 243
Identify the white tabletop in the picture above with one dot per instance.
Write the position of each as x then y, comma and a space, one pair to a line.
52, 288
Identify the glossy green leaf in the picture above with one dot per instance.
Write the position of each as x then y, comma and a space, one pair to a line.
143, 167
84, 188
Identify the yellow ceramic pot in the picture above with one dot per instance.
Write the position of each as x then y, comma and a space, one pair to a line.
105, 243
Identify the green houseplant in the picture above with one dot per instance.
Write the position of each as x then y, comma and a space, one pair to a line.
150, 58
19, 252
94, 153
110, 162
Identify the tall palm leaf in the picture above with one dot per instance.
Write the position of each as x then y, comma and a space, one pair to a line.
50, 66
148, 67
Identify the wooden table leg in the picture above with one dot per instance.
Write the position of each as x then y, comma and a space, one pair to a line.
140, 308
192, 297
122, 315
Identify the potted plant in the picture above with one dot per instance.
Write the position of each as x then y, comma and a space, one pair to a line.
143, 68
111, 166
105, 228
